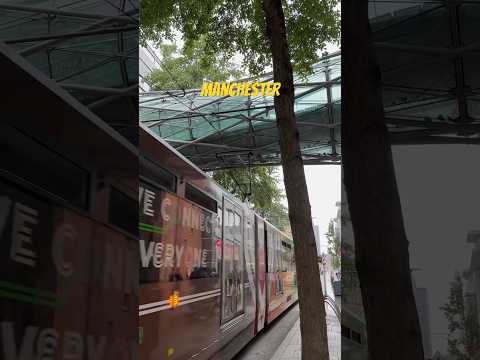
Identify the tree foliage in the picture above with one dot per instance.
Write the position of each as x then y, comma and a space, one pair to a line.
232, 27
334, 239
258, 185
188, 68
464, 332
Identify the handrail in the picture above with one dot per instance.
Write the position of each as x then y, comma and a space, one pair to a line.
331, 302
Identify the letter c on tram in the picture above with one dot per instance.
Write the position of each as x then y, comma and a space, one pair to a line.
64, 233
165, 203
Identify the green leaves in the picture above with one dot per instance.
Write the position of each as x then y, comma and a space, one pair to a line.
188, 68
231, 27
310, 25
464, 332
260, 186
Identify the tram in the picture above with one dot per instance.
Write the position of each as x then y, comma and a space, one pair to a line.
213, 273
68, 225
74, 244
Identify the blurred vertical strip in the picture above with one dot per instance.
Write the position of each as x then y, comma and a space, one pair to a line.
69, 179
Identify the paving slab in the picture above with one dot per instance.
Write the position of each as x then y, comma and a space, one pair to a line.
267, 342
282, 340
291, 347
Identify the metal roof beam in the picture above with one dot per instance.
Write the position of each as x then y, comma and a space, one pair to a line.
433, 125
76, 14
453, 10
436, 140
206, 136
429, 50
37, 47
131, 90
415, 90
320, 161
222, 146
415, 104
102, 90
73, 34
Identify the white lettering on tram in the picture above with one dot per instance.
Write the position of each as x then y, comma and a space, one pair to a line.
166, 203
65, 233
38, 343
24, 218
118, 264
148, 199
163, 255
189, 216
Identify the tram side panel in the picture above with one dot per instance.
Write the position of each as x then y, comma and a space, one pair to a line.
281, 273
180, 249
274, 285
238, 279
261, 280
215, 315
68, 284
289, 270
250, 283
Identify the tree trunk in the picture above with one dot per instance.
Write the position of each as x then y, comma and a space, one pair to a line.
312, 311
381, 246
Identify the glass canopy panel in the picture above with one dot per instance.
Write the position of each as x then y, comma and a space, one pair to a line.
428, 54
88, 47
219, 132
430, 82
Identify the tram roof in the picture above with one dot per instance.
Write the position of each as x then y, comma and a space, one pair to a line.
88, 47
428, 52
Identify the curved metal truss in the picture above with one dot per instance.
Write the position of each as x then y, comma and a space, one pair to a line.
88, 47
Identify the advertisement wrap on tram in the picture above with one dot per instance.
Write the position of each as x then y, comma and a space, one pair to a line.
213, 273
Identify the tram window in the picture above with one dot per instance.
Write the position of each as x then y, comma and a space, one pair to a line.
287, 256
233, 264
22, 156
270, 248
198, 197
356, 337
278, 257
123, 211
158, 175
346, 332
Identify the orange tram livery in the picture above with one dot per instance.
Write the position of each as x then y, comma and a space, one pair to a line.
213, 273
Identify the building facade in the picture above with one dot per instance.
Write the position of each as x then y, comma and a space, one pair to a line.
148, 61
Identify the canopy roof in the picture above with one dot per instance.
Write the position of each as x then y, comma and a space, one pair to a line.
428, 51
233, 131
88, 47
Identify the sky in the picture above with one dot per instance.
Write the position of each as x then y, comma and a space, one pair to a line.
439, 192
323, 183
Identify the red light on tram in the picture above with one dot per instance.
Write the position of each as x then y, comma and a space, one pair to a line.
218, 243
173, 300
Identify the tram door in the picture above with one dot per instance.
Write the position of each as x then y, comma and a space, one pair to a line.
233, 271
261, 281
